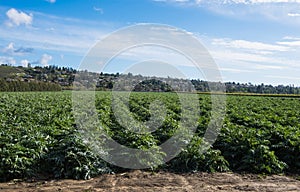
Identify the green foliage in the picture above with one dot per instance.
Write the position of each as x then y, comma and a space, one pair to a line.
65, 76
198, 156
68, 157
38, 135
261, 134
21, 86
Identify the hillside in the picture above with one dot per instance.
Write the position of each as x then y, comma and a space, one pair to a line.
7, 71
65, 76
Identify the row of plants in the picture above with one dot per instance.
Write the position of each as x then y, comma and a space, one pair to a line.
39, 137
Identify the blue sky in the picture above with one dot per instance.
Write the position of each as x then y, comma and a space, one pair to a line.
255, 41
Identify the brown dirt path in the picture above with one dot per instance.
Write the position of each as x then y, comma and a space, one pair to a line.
139, 181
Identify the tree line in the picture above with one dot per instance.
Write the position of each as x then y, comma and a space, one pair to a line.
53, 78
233, 87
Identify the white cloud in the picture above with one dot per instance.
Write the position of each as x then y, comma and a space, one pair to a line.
12, 51
71, 35
283, 11
283, 77
242, 56
7, 60
239, 56
24, 63
247, 2
181, 1
293, 14
16, 18
252, 60
100, 10
177, 1
9, 49
251, 45
233, 70
45, 59
267, 67
270, 1
291, 38
51, 1
290, 43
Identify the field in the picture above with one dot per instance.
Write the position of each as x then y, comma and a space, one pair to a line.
39, 137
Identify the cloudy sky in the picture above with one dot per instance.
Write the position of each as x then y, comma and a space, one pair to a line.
255, 41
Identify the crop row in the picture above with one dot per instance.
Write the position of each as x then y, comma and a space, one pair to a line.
39, 136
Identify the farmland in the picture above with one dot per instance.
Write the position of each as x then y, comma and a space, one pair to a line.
39, 137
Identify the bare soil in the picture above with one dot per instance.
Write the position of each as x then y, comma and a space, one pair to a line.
140, 181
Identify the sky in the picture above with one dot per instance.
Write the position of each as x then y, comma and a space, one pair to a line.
255, 41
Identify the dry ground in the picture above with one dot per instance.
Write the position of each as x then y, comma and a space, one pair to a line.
144, 181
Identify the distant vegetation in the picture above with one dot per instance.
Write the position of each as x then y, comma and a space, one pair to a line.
17, 85
53, 78
32, 79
